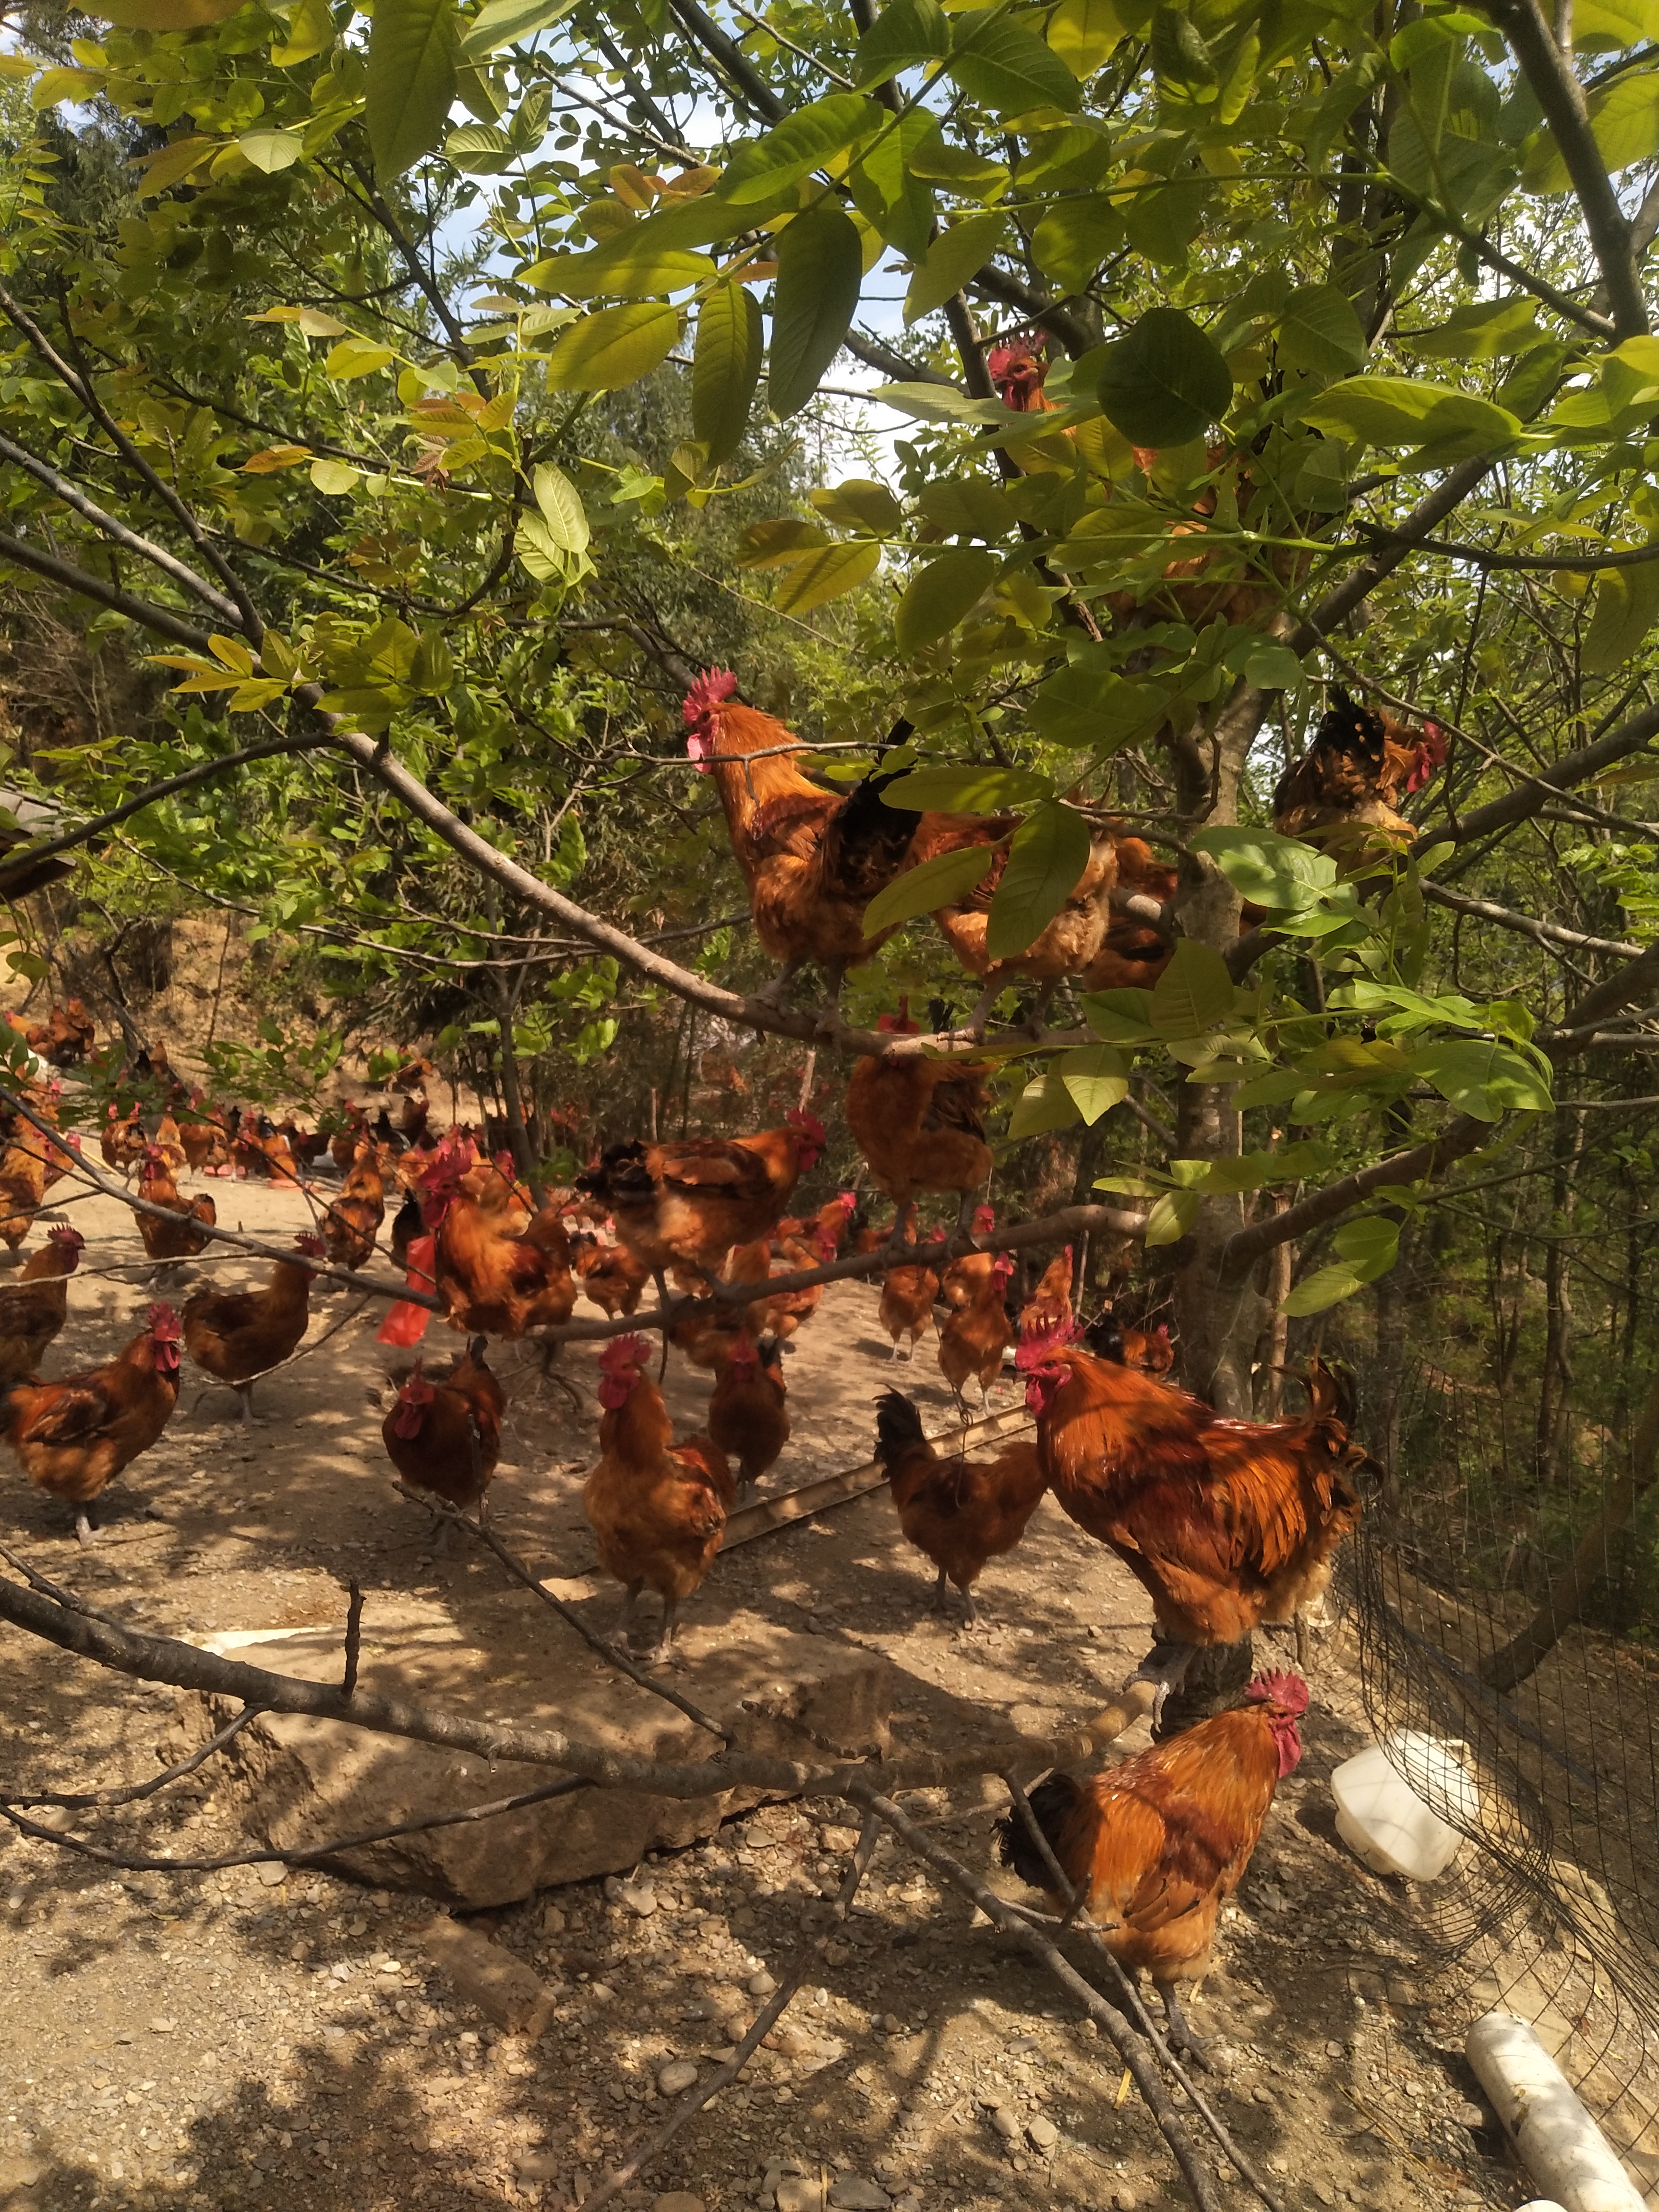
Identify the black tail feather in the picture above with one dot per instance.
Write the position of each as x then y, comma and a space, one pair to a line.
1051, 1801
898, 1427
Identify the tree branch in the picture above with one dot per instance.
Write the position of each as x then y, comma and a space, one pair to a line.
1530, 797
144, 612
1525, 925
1448, 494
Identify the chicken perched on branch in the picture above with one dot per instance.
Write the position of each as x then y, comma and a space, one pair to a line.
656, 1508
502, 1271
920, 1124
1157, 1844
74, 1436
1049, 1305
444, 1433
236, 1336
35, 1309
812, 859
973, 1340
608, 1273
65, 1037
748, 1414
1226, 1524
1065, 946
958, 1512
962, 1280
688, 1203
353, 1220
907, 1293
1359, 764
181, 1238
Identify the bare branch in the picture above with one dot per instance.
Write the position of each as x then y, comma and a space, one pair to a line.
144, 612
1524, 925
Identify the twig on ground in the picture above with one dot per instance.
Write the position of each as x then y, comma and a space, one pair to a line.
130, 1793
354, 1638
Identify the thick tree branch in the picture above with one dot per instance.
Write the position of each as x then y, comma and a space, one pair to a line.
1531, 796
144, 612
1430, 511
1525, 925
740, 71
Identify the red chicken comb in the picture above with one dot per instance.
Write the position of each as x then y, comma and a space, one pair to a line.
1040, 1342
417, 1390
985, 1220
801, 1118
63, 1234
164, 1323
312, 1247
1430, 756
1281, 1689
624, 1352
713, 686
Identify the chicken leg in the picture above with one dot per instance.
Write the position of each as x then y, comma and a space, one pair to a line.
1178, 2031
84, 1531
1165, 1666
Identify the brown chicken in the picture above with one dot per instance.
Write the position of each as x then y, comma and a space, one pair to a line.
812, 858
22, 1184
342, 1145
747, 1414
1226, 1524
502, 1272
964, 1278
782, 1315
608, 1274
1051, 1303
122, 1139
206, 1146
444, 1434
1156, 1844
907, 1293
1359, 763
656, 1508
973, 1340
689, 1203
179, 1238
263, 1154
920, 1124
353, 1220
74, 1436
958, 1512
238, 1335
35, 1308
66, 1036
1065, 946
170, 1143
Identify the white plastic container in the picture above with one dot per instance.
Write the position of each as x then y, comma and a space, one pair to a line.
1559, 2143
1381, 1812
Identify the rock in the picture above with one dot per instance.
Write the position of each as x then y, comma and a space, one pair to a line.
272, 1872
799, 2194
677, 2077
678, 2200
1472, 2115
553, 1921
638, 1896
538, 2165
162, 2027
1006, 2124
851, 2193
838, 1839
1043, 2133
1123, 2198
297, 1782
503, 1987
761, 1985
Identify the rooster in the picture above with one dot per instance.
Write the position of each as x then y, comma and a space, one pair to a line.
812, 859
353, 1220
122, 1139
181, 1237
501, 1271
343, 1143
656, 1508
973, 1340
1358, 765
74, 1436
35, 1308
748, 1414
907, 1293
958, 1512
1156, 1844
207, 1148
444, 1434
609, 1273
920, 1124
689, 1203
1051, 1303
1226, 1524
239, 1335
67, 1035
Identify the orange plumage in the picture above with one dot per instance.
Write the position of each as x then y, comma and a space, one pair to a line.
920, 1124
1359, 763
353, 1220
1050, 1305
656, 1508
444, 1433
908, 1294
238, 1335
180, 1238
973, 1340
689, 1203
748, 1414
35, 1308
958, 1512
502, 1270
74, 1436
1157, 1844
608, 1274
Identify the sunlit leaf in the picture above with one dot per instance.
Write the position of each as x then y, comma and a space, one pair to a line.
1002, 66
939, 882
1163, 382
906, 32
1097, 1077
1043, 1105
1050, 853
726, 369
954, 256
820, 273
411, 81
940, 594
615, 347
1172, 1217
560, 506
803, 141
822, 576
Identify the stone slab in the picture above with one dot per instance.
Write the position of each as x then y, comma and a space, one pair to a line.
300, 1783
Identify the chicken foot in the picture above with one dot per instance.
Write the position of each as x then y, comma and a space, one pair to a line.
776, 993
1165, 1666
1179, 2033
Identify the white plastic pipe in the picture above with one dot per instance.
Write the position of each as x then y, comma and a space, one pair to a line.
1559, 2144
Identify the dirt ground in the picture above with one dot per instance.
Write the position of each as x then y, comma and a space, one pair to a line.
284, 2044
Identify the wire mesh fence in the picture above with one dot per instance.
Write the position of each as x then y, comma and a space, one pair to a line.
1511, 1609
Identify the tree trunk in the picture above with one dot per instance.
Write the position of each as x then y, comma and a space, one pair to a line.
1553, 1408
1392, 1298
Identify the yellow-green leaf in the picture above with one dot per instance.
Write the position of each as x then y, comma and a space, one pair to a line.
356, 356
1043, 1105
310, 31
939, 595
411, 81
726, 369
1097, 1077
1626, 608
1084, 33
954, 256
1194, 994
1172, 1217
334, 476
272, 458
930, 888
173, 163
613, 348
822, 576
165, 14
562, 508
1050, 853
271, 150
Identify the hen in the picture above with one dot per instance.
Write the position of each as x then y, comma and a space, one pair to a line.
958, 1512
689, 1203
920, 1124
1157, 1844
1051, 1303
502, 1271
656, 1508
207, 1148
812, 859
66, 1036
964, 1276
343, 1143
748, 1414
236, 1336
74, 1436
180, 1238
35, 1308
973, 1340
444, 1434
608, 1274
1359, 763
1226, 1524
1065, 946
353, 1220
122, 1139
907, 1293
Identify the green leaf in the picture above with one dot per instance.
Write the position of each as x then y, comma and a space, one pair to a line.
334, 476
1626, 608
1074, 237
635, 264
1267, 869
509, 22
1163, 382
1605, 25
1625, 122
968, 790
165, 14
820, 271
803, 141
272, 151
825, 575
1325, 1286
1485, 330
967, 507
934, 884
725, 369
1050, 853
562, 507
904, 34
1084, 33
1402, 410
1043, 1105
939, 595
1485, 1080
411, 84
1173, 1216
954, 256
1004, 66
1120, 1017
777, 544
1369, 1246
1097, 1077
613, 348
483, 149
356, 357
887, 188
1194, 994
1320, 331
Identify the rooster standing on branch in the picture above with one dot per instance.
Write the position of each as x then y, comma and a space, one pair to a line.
1359, 763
